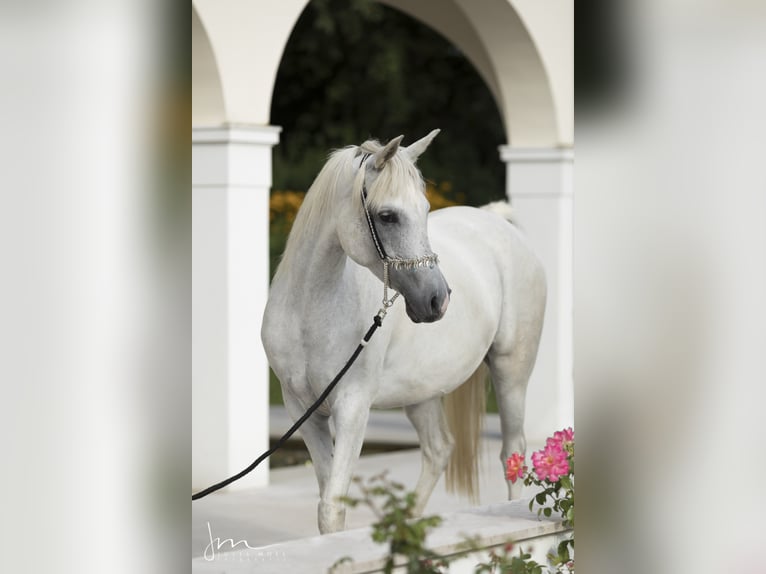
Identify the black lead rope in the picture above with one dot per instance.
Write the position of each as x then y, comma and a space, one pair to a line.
377, 322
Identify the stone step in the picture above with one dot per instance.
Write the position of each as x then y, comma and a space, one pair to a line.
489, 527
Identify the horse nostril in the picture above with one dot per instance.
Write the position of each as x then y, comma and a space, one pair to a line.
435, 305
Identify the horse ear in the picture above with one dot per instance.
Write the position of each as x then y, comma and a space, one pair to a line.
380, 158
414, 150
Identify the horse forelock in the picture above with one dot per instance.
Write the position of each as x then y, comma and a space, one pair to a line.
399, 179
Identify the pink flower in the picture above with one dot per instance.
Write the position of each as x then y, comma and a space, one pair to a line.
551, 462
514, 467
564, 437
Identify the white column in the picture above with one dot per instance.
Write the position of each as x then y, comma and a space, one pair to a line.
539, 187
231, 179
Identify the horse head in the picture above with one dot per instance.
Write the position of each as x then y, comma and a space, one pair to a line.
387, 229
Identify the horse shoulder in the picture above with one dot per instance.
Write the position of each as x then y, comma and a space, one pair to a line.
281, 332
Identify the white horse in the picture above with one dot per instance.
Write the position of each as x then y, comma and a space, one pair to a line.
329, 284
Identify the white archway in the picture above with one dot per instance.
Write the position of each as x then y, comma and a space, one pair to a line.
523, 51
207, 95
513, 59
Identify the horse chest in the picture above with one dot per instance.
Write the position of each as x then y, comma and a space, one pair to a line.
325, 351
312, 351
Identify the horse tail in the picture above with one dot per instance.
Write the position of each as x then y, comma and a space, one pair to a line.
465, 408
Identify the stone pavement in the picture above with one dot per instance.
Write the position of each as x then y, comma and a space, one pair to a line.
286, 509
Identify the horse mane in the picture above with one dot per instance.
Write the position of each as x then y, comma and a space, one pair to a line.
395, 181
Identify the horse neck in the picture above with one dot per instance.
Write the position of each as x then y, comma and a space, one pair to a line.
318, 263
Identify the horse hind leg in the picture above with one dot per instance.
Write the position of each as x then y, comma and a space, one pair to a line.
436, 445
510, 374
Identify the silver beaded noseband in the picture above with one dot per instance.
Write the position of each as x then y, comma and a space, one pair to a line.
395, 262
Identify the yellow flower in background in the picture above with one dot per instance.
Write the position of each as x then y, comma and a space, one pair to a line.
437, 195
285, 204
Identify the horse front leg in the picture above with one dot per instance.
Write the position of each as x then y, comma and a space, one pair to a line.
350, 416
317, 437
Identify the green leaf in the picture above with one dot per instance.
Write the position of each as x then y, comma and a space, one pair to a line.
339, 562
563, 551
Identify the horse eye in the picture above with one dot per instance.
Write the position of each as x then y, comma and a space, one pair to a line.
388, 217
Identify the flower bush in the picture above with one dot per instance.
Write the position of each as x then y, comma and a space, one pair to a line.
442, 195
553, 473
506, 562
285, 204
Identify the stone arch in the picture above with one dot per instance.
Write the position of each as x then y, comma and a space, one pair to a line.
495, 36
516, 48
515, 45
207, 97
247, 40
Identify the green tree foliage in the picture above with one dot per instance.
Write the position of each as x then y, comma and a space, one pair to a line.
355, 69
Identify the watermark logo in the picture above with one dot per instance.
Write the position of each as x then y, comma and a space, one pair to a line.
239, 551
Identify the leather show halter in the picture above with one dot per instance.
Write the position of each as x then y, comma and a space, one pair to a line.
394, 262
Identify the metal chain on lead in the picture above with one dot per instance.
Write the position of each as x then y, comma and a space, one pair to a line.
387, 303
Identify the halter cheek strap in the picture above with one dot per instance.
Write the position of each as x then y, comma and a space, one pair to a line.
396, 262
370, 221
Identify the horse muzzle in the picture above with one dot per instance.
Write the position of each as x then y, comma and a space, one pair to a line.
430, 307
